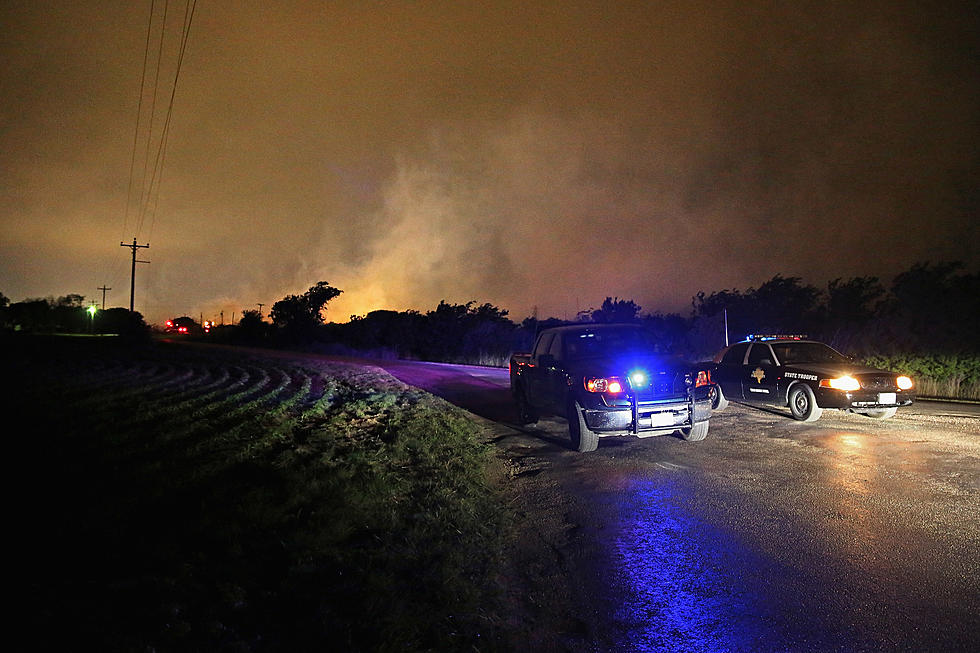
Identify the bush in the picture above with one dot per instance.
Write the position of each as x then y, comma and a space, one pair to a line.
949, 376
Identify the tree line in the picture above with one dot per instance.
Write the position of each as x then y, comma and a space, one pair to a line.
928, 309
67, 314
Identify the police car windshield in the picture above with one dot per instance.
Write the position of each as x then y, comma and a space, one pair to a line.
790, 353
609, 342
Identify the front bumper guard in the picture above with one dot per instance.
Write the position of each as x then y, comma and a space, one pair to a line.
647, 418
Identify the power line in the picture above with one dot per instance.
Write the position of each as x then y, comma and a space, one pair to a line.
139, 117
157, 175
143, 193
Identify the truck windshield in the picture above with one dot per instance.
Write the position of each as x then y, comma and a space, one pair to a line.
608, 342
807, 352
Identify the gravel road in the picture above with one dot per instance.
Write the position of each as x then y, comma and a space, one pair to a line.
848, 534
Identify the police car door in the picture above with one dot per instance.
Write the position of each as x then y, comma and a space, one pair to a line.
728, 372
759, 374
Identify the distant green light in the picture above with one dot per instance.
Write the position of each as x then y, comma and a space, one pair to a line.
91, 310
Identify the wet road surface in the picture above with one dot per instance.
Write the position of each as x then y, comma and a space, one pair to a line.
847, 534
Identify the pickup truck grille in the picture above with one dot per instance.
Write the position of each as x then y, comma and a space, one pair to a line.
662, 386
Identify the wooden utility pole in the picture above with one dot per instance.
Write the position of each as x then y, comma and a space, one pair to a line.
132, 279
103, 289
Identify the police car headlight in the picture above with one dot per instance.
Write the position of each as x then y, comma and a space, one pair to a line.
903, 383
845, 383
611, 384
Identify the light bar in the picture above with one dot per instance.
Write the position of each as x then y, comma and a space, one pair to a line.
791, 336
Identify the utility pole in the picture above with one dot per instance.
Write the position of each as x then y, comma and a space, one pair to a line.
132, 279
260, 309
103, 289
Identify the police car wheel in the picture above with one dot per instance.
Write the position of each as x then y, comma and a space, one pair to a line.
802, 403
582, 438
718, 401
884, 413
696, 433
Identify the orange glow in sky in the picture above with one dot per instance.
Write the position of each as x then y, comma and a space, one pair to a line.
531, 155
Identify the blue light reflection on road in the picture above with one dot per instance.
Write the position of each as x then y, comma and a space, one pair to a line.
686, 586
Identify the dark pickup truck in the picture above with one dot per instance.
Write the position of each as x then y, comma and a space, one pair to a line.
609, 380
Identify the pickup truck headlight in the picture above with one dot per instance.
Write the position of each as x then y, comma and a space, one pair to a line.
845, 383
903, 383
608, 384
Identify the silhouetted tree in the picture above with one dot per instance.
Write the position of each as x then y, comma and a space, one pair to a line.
781, 304
934, 308
251, 327
784, 304
121, 321
31, 315
850, 310
299, 315
4, 302
853, 302
670, 330
68, 313
444, 331
382, 330
524, 336
615, 311
250, 318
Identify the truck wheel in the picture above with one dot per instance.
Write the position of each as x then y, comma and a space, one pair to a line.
718, 401
582, 438
884, 413
696, 433
802, 403
525, 414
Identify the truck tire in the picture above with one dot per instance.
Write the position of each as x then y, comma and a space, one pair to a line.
802, 403
696, 433
525, 413
582, 438
718, 400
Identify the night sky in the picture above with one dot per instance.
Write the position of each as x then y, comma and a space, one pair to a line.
526, 154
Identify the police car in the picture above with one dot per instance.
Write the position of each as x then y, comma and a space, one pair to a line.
807, 376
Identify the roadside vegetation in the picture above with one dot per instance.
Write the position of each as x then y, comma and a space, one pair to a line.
921, 323
177, 499
953, 376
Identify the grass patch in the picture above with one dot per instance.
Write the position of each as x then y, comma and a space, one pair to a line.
181, 500
952, 376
